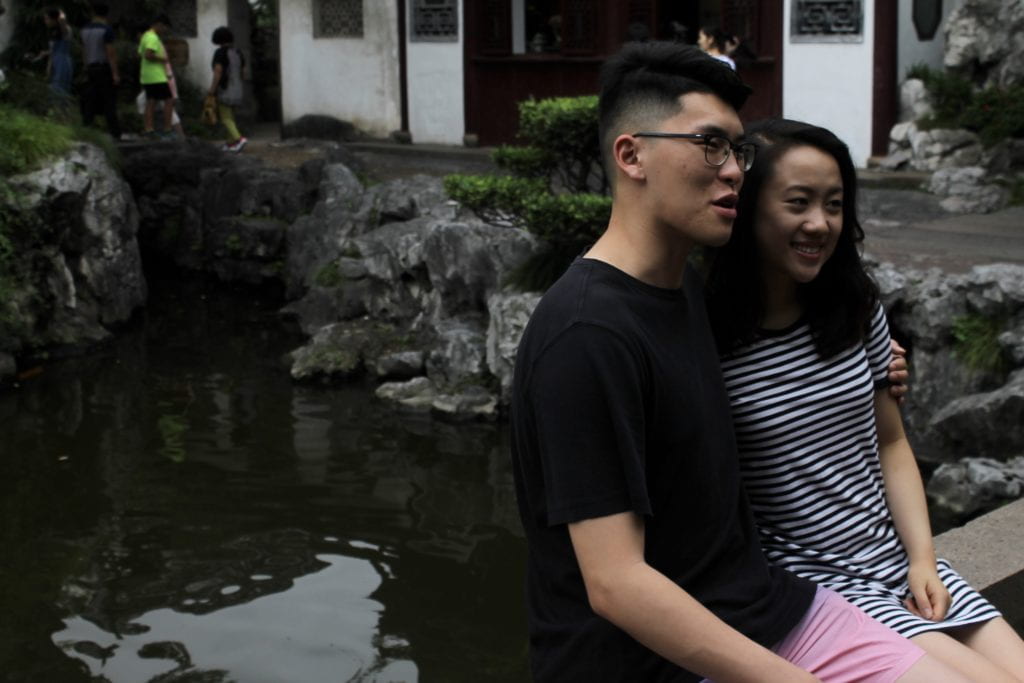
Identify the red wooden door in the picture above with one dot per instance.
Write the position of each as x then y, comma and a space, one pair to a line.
758, 23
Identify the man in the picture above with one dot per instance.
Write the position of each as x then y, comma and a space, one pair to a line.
101, 70
644, 563
153, 76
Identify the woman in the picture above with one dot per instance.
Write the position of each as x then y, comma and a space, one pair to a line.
59, 69
826, 464
715, 42
226, 85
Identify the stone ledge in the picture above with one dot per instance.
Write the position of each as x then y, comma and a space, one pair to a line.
989, 553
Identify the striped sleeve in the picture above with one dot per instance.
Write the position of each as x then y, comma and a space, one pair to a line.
879, 348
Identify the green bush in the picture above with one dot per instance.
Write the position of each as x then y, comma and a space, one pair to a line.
994, 113
554, 186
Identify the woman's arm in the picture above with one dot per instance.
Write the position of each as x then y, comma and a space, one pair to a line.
218, 72
904, 494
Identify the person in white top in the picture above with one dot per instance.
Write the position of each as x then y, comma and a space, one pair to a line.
713, 41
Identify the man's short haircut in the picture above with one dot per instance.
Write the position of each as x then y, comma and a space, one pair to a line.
642, 83
222, 35
100, 9
161, 19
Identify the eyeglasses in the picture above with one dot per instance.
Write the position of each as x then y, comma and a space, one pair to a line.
716, 147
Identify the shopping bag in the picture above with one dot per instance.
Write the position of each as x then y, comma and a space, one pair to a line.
209, 115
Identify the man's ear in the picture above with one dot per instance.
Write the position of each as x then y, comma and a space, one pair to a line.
626, 153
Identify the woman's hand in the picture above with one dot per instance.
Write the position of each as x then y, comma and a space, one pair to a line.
929, 598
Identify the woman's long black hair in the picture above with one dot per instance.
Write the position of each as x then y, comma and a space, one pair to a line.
839, 302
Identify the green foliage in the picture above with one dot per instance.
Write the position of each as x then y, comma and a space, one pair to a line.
995, 113
977, 343
527, 162
565, 128
498, 199
28, 140
554, 185
328, 276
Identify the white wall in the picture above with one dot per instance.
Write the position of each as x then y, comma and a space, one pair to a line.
912, 50
830, 84
434, 84
209, 15
354, 79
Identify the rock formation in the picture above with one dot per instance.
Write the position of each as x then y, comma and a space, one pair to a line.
76, 270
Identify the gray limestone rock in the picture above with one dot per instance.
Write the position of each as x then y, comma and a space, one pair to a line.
968, 190
400, 365
508, 313
986, 37
82, 272
914, 102
974, 484
989, 424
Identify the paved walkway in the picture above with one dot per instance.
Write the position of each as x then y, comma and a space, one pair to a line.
903, 224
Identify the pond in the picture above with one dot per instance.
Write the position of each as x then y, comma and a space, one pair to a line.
176, 508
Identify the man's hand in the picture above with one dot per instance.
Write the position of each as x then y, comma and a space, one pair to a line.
898, 372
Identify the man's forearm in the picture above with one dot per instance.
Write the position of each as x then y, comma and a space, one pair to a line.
668, 620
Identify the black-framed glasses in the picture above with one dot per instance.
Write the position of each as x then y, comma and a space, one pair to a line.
716, 147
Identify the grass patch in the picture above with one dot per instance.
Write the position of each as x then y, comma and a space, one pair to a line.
29, 140
977, 343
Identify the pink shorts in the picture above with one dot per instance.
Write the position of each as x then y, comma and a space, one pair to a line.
836, 641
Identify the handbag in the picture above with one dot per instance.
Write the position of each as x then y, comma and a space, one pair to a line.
209, 115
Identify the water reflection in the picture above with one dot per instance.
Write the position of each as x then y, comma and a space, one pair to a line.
176, 509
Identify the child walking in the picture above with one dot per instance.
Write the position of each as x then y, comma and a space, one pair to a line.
226, 85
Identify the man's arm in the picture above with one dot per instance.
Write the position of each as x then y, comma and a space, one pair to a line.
628, 592
112, 60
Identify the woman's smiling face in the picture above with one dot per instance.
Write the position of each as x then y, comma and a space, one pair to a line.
799, 216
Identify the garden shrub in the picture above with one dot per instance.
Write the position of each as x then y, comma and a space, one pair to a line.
553, 186
994, 113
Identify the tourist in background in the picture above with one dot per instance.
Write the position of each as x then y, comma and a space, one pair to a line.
153, 77
713, 41
101, 70
226, 85
59, 69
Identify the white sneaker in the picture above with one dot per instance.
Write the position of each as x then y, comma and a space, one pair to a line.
237, 147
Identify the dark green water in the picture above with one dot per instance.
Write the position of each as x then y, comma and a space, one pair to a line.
173, 506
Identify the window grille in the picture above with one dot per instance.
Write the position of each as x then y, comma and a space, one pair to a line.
435, 20
182, 14
827, 21
337, 18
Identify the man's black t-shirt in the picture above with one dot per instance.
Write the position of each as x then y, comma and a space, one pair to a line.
618, 405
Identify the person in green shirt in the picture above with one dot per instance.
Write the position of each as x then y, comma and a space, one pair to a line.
153, 75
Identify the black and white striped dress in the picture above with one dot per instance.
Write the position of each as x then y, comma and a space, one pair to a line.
809, 457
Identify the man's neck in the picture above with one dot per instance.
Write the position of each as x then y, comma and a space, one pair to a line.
650, 253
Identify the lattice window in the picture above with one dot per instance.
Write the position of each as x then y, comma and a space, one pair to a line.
182, 14
435, 20
337, 18
825, 21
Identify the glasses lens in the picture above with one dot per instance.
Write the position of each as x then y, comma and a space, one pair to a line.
747, 151
716, 150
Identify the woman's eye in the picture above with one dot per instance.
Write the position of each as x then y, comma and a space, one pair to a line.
797, 201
